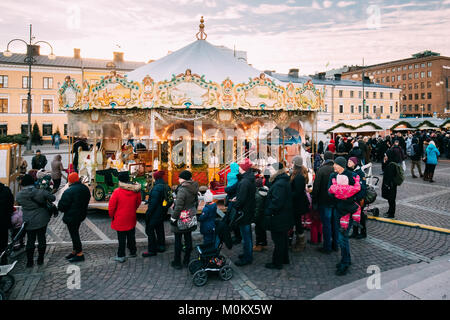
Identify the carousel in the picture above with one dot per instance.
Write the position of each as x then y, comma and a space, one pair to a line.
198, 108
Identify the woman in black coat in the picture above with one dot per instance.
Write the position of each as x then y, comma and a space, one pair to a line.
279, 216
154, 217
299, 202
6, 209
389, 188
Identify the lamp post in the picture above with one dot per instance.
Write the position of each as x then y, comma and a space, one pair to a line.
29, 60
355, 76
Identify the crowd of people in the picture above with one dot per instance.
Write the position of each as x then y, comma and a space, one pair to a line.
278, 199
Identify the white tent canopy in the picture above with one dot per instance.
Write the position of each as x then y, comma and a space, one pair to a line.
202, 58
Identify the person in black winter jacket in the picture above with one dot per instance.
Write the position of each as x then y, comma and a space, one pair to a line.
245, 202
416, 156
356, 152
74, 203
6, 210
279, 215
260, 207
154, 217
300, 202
388, 187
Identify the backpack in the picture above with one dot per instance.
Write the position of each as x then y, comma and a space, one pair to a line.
399, 174
168, 197
371, 195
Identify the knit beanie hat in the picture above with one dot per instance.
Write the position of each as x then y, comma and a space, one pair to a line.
27, 180
185, 175
341, 161
354, 160
328, 155
73, 177
124, 176
158, 175
246, 164
208, 196
298, 161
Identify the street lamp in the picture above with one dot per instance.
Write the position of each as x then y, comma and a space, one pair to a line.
30, 61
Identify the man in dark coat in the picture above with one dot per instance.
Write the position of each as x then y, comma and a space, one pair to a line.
388, 187
416, 157
356, 152
279, 215
39, 161
74, 203
340, 167
321, 200
245, 202
154, 217
6, 210
399, 154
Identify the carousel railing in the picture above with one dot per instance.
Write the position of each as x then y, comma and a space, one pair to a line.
224, 168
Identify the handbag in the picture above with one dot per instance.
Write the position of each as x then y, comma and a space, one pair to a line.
187, 221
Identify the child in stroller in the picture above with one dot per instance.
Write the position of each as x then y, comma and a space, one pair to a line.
209, 257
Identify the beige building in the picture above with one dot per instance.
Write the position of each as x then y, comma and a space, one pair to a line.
46, 78
343, 99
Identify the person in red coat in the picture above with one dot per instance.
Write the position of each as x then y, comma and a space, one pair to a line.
331, 146
122, 207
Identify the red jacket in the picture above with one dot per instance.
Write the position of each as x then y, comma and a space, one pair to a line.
122, 206
331, 148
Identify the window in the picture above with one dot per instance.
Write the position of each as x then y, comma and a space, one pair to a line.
429, 84
430, 64
399, 77
381, 109
384, 71
404, 76
374, 95
416, 107
422, 65
416, 75
422, 95
410, 97
429, 95
25, 82
374, 109
367, 95
391, 95
391, 109
404, 108
359, 109
47, 106
387, 79
416, 86
399, 69
341, 93
65, 124
47, 129
48, 83
410, 108
3, 105
410, 86
416, 96
3, 129
429, 107
359, 94
341, 108
381, 95
24, 105
352, 109
422, 74
422, 85
367, 109
3, 81
430, 74
410, 67
405, 67
24, 129
409, 75
396, 107
393, 79
351, 94
417, 66
404, 86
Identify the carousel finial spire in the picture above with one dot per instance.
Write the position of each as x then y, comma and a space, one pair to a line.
201, 35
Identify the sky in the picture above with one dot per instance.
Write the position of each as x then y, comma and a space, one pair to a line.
311, 35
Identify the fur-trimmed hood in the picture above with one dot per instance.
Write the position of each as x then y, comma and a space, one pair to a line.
135, 187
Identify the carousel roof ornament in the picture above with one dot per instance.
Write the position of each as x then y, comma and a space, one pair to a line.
201, 35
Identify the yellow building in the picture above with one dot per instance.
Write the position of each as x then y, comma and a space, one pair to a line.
46, 78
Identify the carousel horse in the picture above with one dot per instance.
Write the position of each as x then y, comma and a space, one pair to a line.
88, 162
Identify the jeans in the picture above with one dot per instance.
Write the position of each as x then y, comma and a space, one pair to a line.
246, 233
126, 239
178, 245
74, 231
344, 244
40, 235
280, 251
335, 225
156, 236
326, 216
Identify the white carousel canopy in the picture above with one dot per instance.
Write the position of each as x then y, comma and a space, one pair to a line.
202, 58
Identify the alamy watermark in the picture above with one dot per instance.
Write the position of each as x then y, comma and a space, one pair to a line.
74, 279
374, 281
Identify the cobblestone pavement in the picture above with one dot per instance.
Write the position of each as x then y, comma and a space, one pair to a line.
309, 273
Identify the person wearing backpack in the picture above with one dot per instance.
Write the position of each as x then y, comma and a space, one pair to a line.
158, 205
390, 182
415, 155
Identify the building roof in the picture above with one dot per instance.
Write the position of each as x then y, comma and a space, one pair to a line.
70, 62
328, 82
202, 58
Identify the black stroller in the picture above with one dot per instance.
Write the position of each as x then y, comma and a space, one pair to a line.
7, 281
209, 258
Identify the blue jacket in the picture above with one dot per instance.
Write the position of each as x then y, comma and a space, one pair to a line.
432, 154
232, 175
207, 218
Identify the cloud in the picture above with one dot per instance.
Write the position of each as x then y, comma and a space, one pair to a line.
275, 8
327, 4
343, 4
316, 5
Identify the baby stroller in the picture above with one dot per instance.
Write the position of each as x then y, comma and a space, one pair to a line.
209, 258
7, 281
371, 195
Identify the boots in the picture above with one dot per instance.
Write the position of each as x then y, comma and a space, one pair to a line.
300, 243
30, 255
40, 260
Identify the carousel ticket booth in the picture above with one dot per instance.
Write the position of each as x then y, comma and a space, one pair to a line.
198, 108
